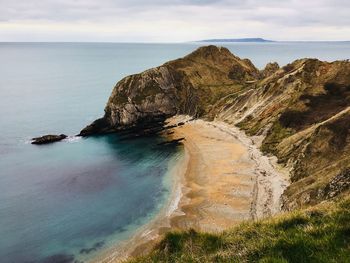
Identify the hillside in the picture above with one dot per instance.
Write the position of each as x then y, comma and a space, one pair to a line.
302, 112
319, 234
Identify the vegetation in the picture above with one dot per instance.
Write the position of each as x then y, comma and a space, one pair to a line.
151, 89
121, 98
275, 135
320, 234
211, 94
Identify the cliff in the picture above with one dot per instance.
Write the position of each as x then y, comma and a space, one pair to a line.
299, 112
190, 85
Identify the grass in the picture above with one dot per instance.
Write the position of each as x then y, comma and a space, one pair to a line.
276, 134
320, 234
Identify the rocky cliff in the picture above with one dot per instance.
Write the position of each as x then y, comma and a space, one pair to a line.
300, 111
190, 85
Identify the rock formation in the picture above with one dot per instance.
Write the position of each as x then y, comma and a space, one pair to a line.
189, 85
269, 69
48, 139
301, 111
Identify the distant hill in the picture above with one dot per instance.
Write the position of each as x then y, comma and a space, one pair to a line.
236, 40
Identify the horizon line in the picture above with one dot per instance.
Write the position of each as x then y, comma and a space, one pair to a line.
269, 41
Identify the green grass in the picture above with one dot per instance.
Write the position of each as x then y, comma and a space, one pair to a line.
320, 234
276, 134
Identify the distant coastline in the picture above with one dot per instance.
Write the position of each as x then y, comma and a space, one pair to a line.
238, 40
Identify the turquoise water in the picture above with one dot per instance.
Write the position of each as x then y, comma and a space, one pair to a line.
70, 200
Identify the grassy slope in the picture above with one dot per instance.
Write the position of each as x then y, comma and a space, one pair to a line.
318, 234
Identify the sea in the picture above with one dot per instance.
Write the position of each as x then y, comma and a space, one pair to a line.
71, 200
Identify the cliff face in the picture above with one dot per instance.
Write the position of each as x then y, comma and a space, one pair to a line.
190, 85
302, 111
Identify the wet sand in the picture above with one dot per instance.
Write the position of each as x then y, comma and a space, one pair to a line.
221, 180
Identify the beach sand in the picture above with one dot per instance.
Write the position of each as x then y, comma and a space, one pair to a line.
227, 179
222, 179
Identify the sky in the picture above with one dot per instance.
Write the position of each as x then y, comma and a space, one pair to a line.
173, 20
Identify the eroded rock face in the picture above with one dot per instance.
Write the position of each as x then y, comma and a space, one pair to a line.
190, 85
48, 139
151, 94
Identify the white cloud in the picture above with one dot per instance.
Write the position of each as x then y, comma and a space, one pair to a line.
173, 20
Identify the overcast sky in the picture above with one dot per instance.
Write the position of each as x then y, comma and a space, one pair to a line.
173, 20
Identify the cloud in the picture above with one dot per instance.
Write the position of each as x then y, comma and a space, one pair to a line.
172, 20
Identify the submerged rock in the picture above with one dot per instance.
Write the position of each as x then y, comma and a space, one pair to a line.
172, 142
48, 139
59, 258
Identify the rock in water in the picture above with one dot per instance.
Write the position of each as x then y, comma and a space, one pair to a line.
48, 139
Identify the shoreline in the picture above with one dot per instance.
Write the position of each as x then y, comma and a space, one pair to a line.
228, 179
143, 240
221, 179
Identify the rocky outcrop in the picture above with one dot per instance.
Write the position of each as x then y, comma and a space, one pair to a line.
301, 112
190, 85
48, 139
270, 69
337, 185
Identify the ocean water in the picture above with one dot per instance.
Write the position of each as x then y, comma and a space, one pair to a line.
71, 200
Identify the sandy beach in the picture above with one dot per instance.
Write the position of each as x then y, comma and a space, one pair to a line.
221, 179
227, 180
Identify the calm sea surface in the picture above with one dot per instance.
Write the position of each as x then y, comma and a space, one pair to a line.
70, 200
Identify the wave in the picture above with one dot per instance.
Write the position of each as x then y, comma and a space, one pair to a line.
72, 139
